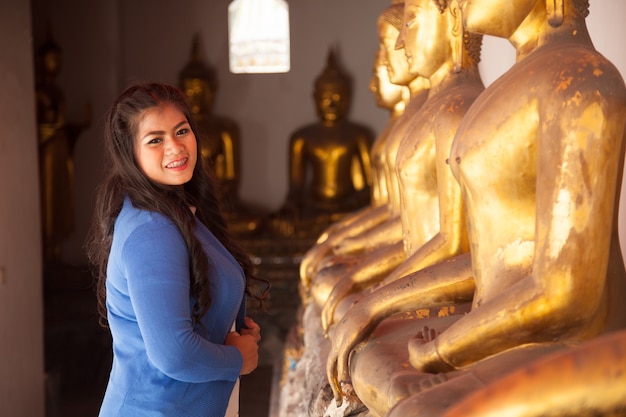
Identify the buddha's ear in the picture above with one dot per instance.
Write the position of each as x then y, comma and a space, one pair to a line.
555, 10
457, 35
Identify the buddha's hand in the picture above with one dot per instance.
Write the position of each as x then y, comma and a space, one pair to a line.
423, 353
306, 268
348, 246
324, 281
342, 289
345, 335
410, 382
312, 261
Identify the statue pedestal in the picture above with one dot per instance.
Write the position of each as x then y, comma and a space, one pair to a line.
277, 260
304, 388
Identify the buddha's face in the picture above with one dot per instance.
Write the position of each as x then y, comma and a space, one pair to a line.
386, 93
495, 17
332, 102
52, 62
393, 56
199, 94
424, 36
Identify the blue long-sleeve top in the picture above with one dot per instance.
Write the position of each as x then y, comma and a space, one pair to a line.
162, 365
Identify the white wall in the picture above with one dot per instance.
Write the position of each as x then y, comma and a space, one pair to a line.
21, 321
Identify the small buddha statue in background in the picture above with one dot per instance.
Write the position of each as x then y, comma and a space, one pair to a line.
219, 142
329, 161
57, 139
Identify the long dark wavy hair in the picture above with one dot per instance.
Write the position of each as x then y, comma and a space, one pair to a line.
125, 178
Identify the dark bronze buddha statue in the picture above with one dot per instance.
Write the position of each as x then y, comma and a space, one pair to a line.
220, 142
57, 138
329, 161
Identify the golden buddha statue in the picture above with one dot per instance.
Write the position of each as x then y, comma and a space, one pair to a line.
539, 158
57, 139
329, 161
571, 379
432, 214
349, 250
394, 98
220, 142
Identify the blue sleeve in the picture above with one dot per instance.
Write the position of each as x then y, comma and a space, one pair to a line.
156, 263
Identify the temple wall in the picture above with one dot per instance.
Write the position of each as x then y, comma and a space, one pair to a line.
21, 321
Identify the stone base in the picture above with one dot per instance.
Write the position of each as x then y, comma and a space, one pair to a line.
304, 389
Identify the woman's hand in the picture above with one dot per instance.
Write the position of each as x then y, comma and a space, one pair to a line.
247, 343
252, 328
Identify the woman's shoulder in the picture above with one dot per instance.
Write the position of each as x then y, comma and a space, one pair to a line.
133, 220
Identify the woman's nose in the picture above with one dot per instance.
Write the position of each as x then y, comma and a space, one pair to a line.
173, 146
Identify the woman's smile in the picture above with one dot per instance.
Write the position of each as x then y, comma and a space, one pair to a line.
179, 164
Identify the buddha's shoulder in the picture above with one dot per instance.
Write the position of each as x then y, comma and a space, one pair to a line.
359, 129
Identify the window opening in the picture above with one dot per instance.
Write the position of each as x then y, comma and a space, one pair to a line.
258, 32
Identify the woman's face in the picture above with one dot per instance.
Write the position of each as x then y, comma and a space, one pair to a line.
165, 145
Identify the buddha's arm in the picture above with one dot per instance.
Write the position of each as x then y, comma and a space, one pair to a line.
297, 168
446, 283
230, 144
379, 194
363, 176
360, 222
452, 237
371, 269
564, 296
356, 222
382, 234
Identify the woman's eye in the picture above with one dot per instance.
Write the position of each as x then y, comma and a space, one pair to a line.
182, 132
154, 141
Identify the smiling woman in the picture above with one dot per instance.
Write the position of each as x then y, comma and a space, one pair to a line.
171, 282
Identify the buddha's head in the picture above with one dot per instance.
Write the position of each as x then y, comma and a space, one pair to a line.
502, 18
332, 92
389, 27
391, 69
199, 83
433, 35
49, 55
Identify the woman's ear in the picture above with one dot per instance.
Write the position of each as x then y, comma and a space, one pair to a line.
555, 10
